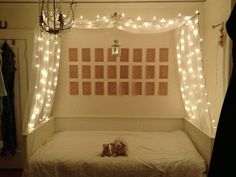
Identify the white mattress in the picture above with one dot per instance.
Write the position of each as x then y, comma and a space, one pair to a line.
151, 154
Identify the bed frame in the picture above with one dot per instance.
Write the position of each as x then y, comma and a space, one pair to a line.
202, 142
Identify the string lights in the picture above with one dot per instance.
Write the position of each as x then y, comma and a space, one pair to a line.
188, 54
46, 64
192, 81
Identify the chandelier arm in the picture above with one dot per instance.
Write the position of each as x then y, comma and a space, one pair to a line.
71, 22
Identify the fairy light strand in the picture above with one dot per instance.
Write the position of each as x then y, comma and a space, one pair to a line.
189, 62
46, 64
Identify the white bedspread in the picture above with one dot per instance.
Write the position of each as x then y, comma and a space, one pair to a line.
150, 154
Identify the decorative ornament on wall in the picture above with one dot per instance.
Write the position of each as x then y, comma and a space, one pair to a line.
115, 48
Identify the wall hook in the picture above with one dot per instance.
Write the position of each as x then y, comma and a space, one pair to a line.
4, 26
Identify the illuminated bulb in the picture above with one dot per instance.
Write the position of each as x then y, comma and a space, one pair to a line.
123, 14
146, 24
154, 18
81, 17
190, 70
98, 16
195, 32
135, 26
33, 116
47, 42
206, 110
139, 18
213, 121
162, 20
40, 39
30, 125
200, 68
171, 22
127, 24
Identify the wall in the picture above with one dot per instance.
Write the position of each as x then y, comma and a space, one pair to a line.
170, 106
216, 58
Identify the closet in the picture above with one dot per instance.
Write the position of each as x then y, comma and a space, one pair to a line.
19, 44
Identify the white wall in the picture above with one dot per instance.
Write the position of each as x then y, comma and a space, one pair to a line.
170, 106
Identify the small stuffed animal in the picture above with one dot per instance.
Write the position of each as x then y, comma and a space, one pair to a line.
119, 147
106, 150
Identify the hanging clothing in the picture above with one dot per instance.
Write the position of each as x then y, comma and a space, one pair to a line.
3, 91
8, 125
223, 154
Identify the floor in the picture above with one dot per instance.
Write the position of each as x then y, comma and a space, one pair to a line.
10, 172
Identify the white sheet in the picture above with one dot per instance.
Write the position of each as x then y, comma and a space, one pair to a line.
150, 154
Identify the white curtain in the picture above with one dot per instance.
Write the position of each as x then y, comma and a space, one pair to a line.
191, 76
129, 24
189, 59
45, 68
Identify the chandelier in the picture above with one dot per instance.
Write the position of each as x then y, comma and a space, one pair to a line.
51, 17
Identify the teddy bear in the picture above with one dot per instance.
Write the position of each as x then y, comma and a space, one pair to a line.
119, 147
106, 150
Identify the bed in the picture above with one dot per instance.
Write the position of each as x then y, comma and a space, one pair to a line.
150, 154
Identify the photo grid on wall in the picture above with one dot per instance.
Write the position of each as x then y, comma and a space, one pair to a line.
137, 71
